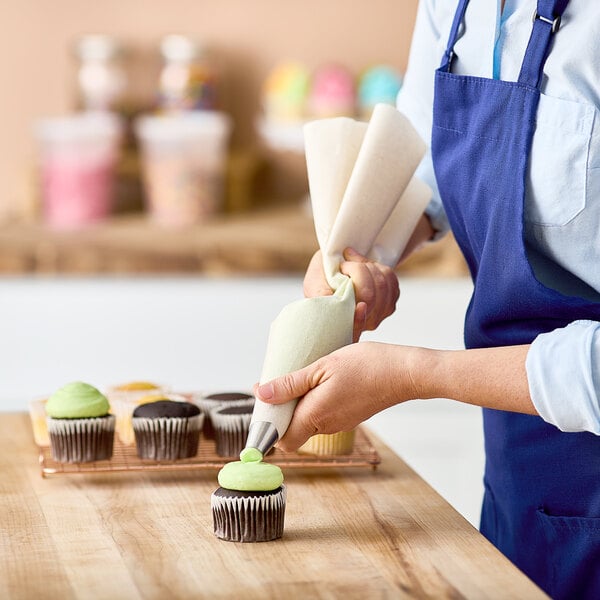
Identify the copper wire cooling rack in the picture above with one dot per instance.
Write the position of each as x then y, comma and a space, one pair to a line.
125, 459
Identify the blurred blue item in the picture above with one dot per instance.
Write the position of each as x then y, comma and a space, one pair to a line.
378, 84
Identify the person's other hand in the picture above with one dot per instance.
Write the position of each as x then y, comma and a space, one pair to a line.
341, 390
376, 288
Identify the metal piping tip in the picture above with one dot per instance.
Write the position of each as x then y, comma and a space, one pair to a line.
262, 436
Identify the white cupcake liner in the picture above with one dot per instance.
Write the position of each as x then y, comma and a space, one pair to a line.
249, 518
167, 438
231, 431
207, 405
329, 444
123, 409
81, 440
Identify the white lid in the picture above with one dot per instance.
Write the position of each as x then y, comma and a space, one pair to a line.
97, 47
183, 125
179, 47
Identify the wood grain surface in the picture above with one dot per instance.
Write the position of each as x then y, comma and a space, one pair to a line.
349, 533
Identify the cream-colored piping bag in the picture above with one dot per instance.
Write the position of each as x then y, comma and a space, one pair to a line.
363, 195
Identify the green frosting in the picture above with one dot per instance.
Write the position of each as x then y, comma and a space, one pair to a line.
77, 400
252, 476
251, 455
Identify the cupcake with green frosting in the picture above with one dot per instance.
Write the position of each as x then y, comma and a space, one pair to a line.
80, 427
249, 505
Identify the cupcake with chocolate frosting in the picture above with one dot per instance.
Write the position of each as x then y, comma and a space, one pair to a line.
211, 401
124, 398
231, 425
167, 429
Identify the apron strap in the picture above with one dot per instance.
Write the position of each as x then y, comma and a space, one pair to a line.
456, 23
546, 22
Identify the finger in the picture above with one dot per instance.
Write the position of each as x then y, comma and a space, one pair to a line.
296, 435
301, 427
315, 282
362, 279
360, 320
285, 388
350, 254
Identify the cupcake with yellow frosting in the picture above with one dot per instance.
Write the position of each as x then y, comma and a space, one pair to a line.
285, 91
249, 505
80, 428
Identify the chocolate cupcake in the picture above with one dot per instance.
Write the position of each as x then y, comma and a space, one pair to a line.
80, 428
248, 516
124, 398
167, 429
231, 428
209, 402
249, 505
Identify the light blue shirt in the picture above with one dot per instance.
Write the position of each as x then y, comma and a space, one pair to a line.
562, 203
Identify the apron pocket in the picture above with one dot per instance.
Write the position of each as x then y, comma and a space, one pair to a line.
556, 178
573, 554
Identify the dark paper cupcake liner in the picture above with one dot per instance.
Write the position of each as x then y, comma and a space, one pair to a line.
248, 516
81, 440
167, 438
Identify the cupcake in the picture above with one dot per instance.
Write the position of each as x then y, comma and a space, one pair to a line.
123, 400
331, 93
329, 444
249, 505
80, 428
208, 402
284, 92
231, 428
167, 429
38, 416
379, 84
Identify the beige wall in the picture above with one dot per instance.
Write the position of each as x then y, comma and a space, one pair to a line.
248, 37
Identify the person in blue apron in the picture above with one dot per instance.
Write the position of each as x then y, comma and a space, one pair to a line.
515, 162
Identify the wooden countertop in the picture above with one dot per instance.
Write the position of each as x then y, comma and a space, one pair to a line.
352, 533
278, 240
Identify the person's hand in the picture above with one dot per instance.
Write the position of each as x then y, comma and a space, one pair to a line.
339, 391
376, 288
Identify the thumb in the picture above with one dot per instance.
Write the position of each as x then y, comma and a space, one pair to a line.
352, 255
284, 388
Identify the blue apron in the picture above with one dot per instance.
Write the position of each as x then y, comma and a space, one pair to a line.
542, 487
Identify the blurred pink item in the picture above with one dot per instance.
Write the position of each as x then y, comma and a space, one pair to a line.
77, 160
332, 93
184, 157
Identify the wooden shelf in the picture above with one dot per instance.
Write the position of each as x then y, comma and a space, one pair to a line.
277, 240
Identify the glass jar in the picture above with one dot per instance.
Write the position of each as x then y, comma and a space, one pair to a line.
187, 79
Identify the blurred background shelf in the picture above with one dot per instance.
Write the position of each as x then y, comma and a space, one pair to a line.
268, 241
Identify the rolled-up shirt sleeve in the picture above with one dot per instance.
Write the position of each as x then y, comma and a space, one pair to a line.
563, 371
415, 100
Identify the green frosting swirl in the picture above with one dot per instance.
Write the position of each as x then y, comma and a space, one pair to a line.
250, 476
77, 400
251, 455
